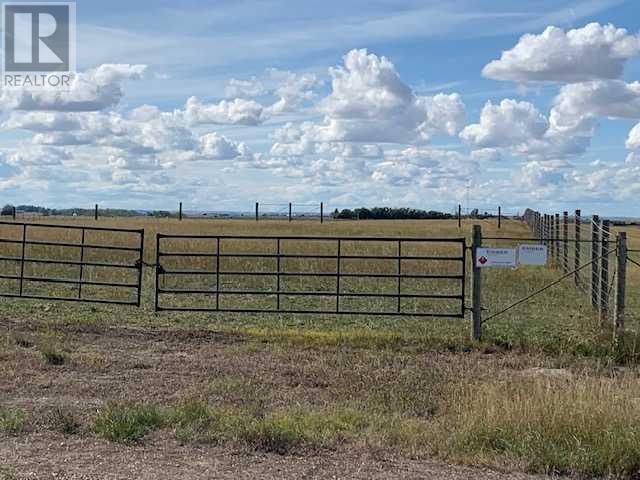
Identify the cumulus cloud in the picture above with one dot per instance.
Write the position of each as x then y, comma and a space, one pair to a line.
217, 147
38, 156
292, 90
244, 88
370, 103
510, 123
571, 123
633, 140
588, 53
96, 89
235, 112
578, 104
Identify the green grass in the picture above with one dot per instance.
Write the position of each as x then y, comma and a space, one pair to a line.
12, 421
127, 423
587, 428
278, 431
53, 357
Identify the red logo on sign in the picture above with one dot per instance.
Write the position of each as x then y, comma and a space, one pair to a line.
483, 260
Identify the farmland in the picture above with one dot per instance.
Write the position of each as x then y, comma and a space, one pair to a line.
88, 389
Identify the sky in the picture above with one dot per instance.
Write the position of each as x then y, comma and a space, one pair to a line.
426, 104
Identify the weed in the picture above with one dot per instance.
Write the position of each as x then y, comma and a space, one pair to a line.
63, 420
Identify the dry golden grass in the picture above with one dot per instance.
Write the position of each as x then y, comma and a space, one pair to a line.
293, 381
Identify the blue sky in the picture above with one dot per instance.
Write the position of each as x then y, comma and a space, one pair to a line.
221, 104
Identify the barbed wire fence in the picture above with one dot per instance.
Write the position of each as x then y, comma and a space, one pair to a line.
596, 257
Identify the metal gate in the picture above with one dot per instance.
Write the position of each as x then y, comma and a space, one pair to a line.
71, 263
311, 274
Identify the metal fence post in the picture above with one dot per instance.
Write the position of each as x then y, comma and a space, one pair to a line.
180, 212
499, 217
321, 212
577, 246
13, 212
595, 270
476, 285
459, 216
95, 215
621, 284
257, 208
289, 211
604, 271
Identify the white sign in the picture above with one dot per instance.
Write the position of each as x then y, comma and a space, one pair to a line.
532, 255
496, 257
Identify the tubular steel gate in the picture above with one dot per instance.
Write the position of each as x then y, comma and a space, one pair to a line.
71, 263
311, 274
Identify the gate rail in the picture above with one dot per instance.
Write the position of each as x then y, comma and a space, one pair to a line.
216, 254
82, 248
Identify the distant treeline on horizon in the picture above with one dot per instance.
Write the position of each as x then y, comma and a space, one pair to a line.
387, 213
362, 213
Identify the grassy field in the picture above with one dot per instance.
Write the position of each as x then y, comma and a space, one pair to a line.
546, 391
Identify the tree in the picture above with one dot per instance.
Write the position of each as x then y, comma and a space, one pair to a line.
7, 210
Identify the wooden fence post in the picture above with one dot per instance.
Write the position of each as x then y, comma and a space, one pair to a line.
577, 247
95, 215
621, 284
13, 212
552, 236
604, 271
565, 241
476, 285
595, 270
257, 208
557, 239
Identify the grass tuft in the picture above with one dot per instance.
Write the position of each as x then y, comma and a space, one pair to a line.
127, 423
63, 420
12, 421
53, 356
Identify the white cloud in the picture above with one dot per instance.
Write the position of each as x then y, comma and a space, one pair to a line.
591, 52
510, 123
486, 155
38, 156
244, 88
633, 140
578, 104
95, 89
292, 90
370, 103
236, 112
218, 147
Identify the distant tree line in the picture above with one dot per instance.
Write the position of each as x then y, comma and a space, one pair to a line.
104, 212
387, 213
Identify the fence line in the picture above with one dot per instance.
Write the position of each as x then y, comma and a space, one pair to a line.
600, 282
